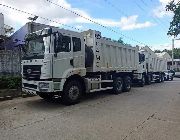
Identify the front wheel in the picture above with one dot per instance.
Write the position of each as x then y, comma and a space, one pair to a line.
127, 84
117, 85
72, 93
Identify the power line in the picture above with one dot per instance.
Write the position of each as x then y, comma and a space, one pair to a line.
115, 7
108, 28
154, 19
47, 19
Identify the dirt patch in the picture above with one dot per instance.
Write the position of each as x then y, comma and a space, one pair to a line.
10, 92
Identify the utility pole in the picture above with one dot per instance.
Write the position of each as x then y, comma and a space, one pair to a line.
173, 54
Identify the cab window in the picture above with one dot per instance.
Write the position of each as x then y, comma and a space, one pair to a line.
64, 45
76, 44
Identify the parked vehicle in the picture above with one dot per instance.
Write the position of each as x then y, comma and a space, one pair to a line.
68, 64
153, 67
168, 75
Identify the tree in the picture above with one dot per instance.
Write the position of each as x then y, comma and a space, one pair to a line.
120, 40
157, 51
174, 28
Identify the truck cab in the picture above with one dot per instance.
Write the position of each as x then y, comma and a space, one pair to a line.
50, 57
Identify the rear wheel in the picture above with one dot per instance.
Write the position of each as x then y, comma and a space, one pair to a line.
72, 93
172, 78
148, 79
142, 82
127, 84
159, 80
162, 78
118, 85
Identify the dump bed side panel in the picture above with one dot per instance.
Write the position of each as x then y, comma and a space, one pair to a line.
110, 55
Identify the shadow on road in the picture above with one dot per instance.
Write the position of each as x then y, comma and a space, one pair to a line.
56, 103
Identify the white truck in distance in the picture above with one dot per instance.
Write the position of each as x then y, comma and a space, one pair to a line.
153, 67
69, 64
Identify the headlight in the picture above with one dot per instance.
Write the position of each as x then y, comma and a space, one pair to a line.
43, 85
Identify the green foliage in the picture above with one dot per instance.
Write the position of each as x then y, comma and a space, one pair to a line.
10, 82
174, 28
157, 51
120, 40
176, 52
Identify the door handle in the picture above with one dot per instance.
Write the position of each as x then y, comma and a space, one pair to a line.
72, 62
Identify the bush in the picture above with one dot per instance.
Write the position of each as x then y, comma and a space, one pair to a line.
10, 82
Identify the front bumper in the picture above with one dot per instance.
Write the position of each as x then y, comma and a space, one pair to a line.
33, 87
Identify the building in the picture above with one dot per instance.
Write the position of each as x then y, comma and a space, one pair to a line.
17, 39
176, 65
10, 57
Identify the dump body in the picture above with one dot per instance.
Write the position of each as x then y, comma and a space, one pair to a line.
154, 62
110, 55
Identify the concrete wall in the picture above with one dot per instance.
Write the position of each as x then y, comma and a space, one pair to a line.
1, 24
10, 62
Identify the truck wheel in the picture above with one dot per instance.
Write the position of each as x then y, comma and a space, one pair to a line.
127, 84
162, 78
171, 78
118, 85
159, 80
148, 79
142, 82
46, 96
72, 93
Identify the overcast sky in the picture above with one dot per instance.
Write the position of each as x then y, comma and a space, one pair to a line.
143, 20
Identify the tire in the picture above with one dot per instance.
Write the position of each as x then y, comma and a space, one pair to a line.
72, 93
118, 85
159, 80
171, 78
46, 96
148, 79
127, 84
162, 78
142, 82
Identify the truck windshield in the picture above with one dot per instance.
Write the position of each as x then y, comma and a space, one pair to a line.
36, 48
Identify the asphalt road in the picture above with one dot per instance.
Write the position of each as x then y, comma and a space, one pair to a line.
149, 113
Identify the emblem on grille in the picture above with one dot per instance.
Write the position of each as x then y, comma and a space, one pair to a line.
29, 71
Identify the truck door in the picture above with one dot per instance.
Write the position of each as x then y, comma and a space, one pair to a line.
63, 57
77, 52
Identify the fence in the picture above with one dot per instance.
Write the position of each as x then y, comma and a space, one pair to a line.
10, 62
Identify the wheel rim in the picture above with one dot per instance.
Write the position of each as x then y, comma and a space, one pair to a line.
119, 85
128, 85
74, 92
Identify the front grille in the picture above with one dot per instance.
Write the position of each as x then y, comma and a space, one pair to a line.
32, 72
30, 86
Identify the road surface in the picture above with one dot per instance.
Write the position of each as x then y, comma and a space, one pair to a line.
149, 113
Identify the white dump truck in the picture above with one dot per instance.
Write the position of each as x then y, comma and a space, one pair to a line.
153, 66
68, 64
